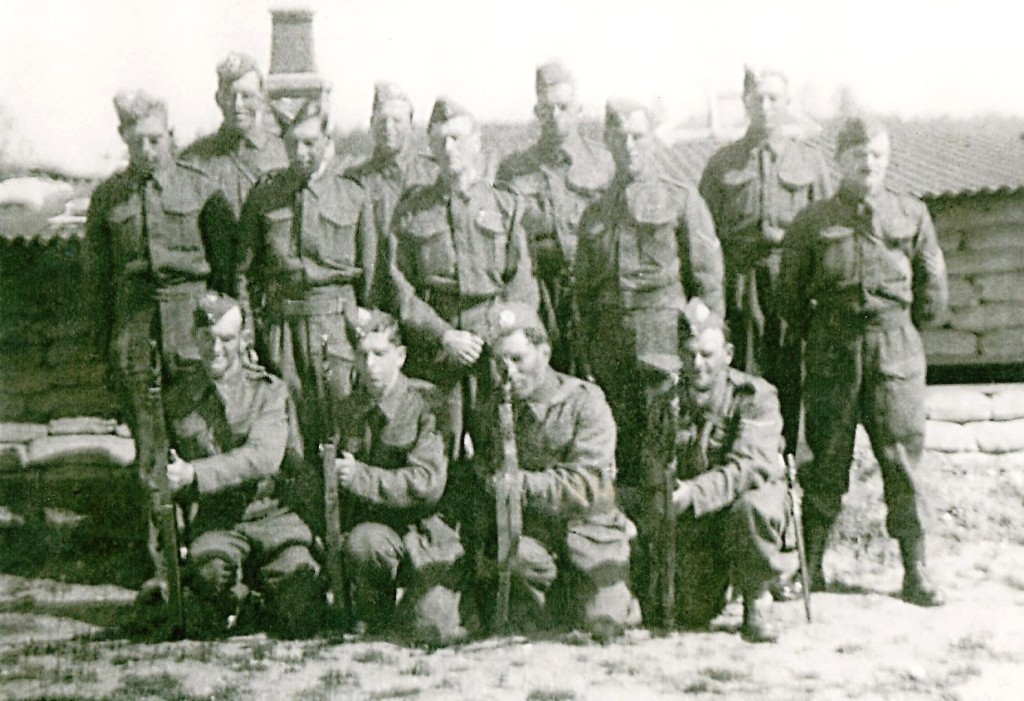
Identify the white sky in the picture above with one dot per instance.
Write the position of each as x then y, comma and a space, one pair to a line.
61, 61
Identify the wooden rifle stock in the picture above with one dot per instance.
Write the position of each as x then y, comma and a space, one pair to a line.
508, 503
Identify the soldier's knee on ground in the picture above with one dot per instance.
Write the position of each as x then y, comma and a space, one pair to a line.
611, 609
374, 545
292, 593
431, 615
535, 565
213, 578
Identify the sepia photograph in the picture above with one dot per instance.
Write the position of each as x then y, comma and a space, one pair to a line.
529, 351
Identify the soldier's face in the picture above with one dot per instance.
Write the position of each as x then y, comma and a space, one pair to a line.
307, 143
392, 126
378, 362
706, 359
863, 166
631, 144
455, 145
557, 111
220, 345
149, 143
768, 103
241, 102
525, 362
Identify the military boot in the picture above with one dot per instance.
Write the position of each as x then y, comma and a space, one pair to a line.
756, 628
918, 589
815, 542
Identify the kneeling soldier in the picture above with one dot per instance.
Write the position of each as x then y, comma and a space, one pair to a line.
721, 431
571, 566
392, 472
234, 428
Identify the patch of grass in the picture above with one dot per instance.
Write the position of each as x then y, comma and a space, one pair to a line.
420, 669
339, 678
723, 675
373, 657
167, 688
620, 667
551, 695
397, 692
700, 686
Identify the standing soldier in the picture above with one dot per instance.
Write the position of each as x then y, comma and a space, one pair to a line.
396, 163
460, 248
311, 255
754, 187
729, 493
146, 261
238, 154
392, 471
561, 174
861, 271
233, 428
645, 246
571, 568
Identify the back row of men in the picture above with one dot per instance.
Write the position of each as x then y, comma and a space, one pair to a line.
574, 264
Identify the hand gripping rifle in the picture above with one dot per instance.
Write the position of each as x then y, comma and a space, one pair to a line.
662, 576
508, 502
165, 511
795, 497
332, 498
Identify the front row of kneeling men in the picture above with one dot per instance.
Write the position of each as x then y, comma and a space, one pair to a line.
238, 458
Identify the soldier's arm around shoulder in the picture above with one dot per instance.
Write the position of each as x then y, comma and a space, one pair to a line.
797, 268
420, 482
704, 268
928, 267
261, 454
367, 244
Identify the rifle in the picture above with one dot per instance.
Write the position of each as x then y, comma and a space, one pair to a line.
795, 497
661, 590
165, 511
508, 501
338, 593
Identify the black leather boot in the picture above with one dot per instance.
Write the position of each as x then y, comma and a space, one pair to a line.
918, 589
756, 628
816, 541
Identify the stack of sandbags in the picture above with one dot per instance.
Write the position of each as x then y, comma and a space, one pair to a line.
984, 419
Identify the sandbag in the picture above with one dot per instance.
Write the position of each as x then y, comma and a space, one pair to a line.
949, 437
1000, 436
82, 448
958, 404
11, 432
1008, 403
71, 425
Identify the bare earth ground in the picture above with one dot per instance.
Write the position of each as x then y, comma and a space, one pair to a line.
864, 643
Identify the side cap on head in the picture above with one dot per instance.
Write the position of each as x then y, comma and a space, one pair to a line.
618, 110
858, 130
695, 318
508, 317
384, 92
211, 308
234, 66
290, 112
753, 76
133, 105
550, 74
445, 110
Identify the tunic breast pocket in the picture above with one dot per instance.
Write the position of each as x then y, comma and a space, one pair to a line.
742, 203
795, 194
337, 240
494, 238
181, 225
899, 248
656, 241
839, 255
431, 249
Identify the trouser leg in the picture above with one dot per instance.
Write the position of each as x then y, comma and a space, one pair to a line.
373, 553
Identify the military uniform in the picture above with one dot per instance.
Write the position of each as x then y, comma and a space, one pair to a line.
754, 187
242, 441
147, 268
644, 247
730, 454
311, 258
235, 162
394, 532
859, 276
457, 253
573, 559
559, 182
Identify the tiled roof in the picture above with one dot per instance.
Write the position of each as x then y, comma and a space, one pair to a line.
930, 158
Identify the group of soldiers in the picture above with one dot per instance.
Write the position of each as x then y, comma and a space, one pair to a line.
522, 379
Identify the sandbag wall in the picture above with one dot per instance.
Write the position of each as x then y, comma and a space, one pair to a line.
982, 237
47, 369
976, 419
